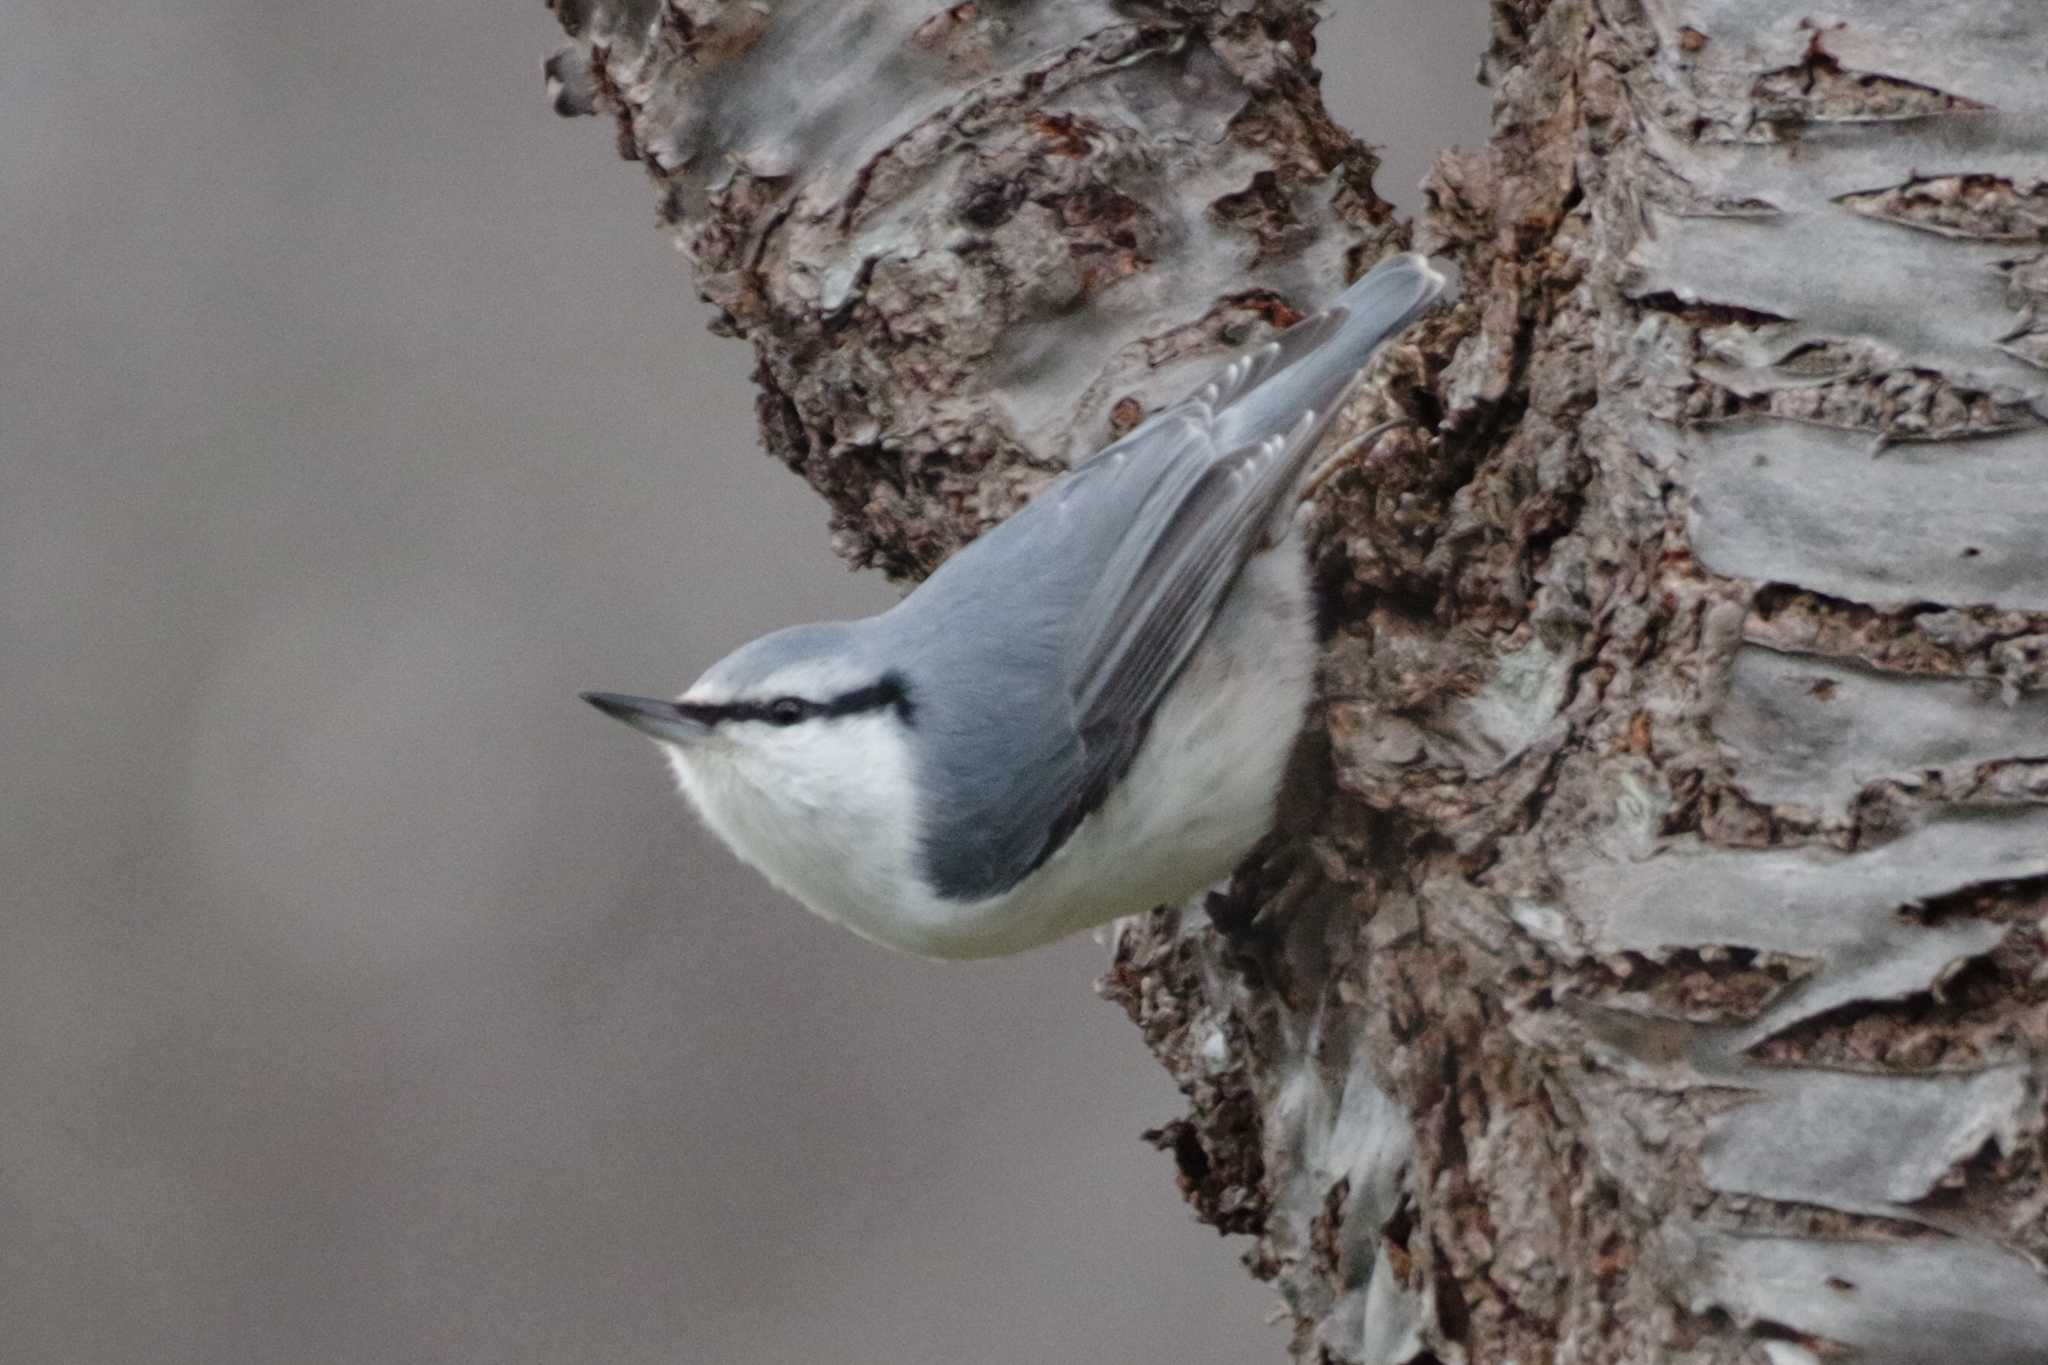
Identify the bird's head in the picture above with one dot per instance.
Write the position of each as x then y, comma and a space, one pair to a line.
792, 747
788, 701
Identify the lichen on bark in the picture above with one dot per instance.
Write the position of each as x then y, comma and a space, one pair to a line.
1649, 961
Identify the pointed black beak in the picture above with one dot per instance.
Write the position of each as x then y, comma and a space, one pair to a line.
662, 720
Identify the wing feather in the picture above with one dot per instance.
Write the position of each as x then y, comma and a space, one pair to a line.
1211, 505
1188, 497
1148, 633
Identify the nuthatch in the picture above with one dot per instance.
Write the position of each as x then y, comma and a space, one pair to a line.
1084, 713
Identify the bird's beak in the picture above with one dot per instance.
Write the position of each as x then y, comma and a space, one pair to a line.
663, 720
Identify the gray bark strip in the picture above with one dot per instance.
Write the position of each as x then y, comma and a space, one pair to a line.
1651, 963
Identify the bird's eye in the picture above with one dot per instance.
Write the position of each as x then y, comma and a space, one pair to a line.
786, 711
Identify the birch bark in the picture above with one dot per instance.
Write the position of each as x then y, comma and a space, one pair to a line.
1650, 966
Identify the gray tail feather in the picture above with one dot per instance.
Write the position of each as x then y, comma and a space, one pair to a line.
1386, 299
1374, 310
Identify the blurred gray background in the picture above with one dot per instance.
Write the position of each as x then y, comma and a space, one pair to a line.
363, 996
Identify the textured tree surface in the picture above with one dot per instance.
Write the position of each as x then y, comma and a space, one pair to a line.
1651, 964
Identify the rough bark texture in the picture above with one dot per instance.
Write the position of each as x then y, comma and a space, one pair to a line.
1650, 966
970, 244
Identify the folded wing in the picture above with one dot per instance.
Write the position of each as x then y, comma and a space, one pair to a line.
1221, 465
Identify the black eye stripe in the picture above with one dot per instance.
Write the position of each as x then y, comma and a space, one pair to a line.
889, 692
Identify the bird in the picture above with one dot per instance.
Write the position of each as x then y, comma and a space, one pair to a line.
1083, 713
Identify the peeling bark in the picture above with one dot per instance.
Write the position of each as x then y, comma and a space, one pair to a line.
1650, 963
972, 243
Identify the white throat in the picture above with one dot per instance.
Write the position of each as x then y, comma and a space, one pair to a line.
824, 809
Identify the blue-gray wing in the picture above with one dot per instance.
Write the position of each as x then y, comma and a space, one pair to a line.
1105, 586
1222, 466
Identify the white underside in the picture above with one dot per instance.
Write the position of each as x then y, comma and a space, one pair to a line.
1199, 795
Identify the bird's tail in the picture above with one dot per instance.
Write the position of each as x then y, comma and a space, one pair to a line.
1319, 359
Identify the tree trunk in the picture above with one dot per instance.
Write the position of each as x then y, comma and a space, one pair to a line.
1650, 965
